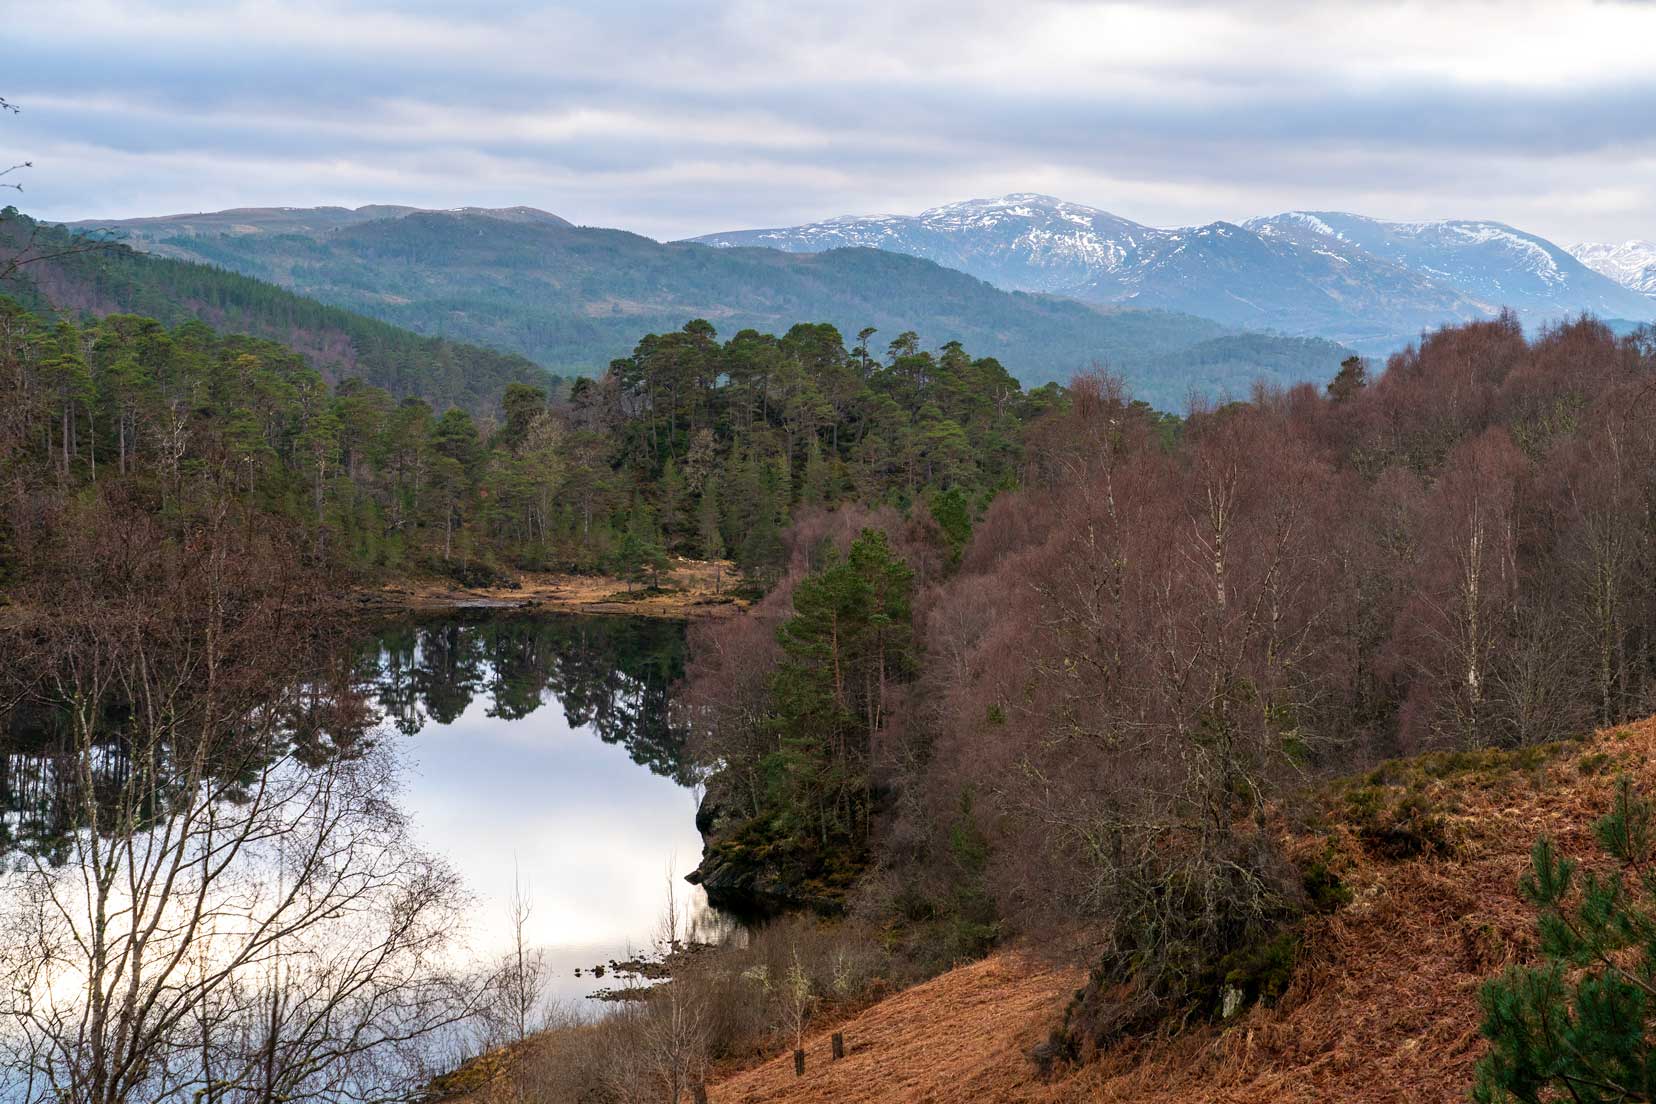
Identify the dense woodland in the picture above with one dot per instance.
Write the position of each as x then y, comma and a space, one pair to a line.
1090, 724
689, 446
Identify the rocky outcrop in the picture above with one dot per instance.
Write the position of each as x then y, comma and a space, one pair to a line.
749, 874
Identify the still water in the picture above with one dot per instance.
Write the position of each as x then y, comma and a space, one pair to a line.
539, 752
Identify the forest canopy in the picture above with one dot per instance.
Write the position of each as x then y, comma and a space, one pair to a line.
688, 446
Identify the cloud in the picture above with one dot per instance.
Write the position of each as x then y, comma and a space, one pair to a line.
680, 118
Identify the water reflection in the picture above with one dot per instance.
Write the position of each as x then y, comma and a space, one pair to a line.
610, 675
510, 784
524, 739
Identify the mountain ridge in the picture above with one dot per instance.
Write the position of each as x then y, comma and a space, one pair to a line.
1369, 282
574, 298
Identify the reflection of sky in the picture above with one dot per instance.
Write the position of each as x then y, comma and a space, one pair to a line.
591, 833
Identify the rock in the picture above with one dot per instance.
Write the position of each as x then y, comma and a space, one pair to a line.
1230, 1002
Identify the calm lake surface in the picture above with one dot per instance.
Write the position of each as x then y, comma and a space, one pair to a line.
540, 749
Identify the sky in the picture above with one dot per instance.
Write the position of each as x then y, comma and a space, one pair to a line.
675, 119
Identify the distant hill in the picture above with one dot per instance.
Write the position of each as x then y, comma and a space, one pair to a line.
340, 344
1363, 281
574, 298
276, 221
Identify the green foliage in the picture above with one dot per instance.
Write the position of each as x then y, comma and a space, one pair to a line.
849, 639
1397, 825
1349, 381
954, 517
639, 557
1578, 1027
688, 446
802, 794
1259, 972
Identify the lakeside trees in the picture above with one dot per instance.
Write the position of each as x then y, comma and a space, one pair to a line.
689, 446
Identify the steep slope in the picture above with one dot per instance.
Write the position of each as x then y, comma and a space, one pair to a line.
1383, 1006
340, 344
574, 298
1242, 276
1490, 261
1345, 277
1632, 264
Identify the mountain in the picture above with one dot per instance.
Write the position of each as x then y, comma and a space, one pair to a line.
1493, 263
574, 298
1371, 283
1023, 242
1631, 264
113, 278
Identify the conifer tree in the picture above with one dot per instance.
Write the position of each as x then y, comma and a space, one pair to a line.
1579, 1027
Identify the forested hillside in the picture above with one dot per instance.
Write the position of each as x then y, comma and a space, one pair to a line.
1092, 729
65, 278
574, 298
688, 445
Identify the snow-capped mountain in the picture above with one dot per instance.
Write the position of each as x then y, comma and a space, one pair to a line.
1022, 242
1347, 277
1631, 264
1490, 261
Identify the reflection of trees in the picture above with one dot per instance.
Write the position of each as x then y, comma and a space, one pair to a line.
207, 890
64, 751
612, 675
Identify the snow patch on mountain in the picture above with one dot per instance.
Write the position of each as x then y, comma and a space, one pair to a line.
1329, 273
1632, 264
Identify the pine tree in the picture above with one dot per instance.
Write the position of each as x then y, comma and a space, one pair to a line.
1579, 1027
707, 521
954, 517
849, 640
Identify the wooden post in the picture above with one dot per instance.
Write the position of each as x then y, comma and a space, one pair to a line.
799, 1062
839, 1046
698, 1093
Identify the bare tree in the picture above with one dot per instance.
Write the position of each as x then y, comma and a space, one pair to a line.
237, 914
518, 1007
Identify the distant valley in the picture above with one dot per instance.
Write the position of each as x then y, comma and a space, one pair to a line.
574, 298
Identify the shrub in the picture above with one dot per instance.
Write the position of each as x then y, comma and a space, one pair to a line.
1406, 828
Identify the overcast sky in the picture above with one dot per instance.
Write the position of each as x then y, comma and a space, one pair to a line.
675, 119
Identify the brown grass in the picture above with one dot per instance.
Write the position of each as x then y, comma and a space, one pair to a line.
691, 589
962, 1036
1383, 1006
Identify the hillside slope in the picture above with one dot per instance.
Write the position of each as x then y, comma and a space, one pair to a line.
1631, 264
1383, 1006
574, 298
340, 344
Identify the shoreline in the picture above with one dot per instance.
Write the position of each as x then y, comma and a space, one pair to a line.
691, 590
